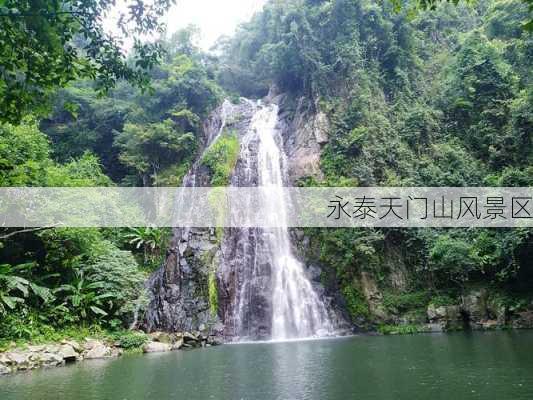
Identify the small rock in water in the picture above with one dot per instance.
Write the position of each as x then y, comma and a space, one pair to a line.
178, 344
96, 349
51, 360
156, 347
162, 337
68, 353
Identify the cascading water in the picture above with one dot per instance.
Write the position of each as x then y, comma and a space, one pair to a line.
263, 292
271, 282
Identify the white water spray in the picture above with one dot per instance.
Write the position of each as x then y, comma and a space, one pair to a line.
297, 311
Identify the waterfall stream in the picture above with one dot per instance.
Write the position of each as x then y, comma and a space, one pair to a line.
268, 273
263, 291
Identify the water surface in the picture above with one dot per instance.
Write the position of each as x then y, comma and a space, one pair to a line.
493, 365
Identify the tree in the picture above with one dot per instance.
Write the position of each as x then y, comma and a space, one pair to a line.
45, 44
424, 5
24, 155
151, 148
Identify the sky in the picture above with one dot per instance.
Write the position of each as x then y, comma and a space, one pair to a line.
213, 17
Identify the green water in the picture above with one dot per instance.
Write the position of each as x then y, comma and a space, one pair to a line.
495, 365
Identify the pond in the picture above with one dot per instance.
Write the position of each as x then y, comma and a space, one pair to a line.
491, 365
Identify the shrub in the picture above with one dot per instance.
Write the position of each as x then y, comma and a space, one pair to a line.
403, 302
221, 158
213, 293
398, 329
120, 279
130, 340
355, 302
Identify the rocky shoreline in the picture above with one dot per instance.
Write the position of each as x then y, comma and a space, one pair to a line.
476, 311
68, 351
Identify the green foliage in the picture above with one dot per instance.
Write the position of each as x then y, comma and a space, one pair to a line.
82, 296
509, 23
15, 290
221, 158
79, 278
140, 138
25, 161
83, 172
151, 243
47, 44
213, 292
24, 155
443, 300
119, 281
151, 148
91, 128
402, 302
130, 340
436, 98
30, 327
355, 302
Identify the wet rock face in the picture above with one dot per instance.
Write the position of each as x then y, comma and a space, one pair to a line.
239, 266
179, 289
305, 132
179, 294
447, 318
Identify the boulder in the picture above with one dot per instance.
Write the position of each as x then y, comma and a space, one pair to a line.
523, 319
162, 337
67, 352
436, 313
432, 328
474, 304
178, 344
156, 347
74, 344
18, 360
490, 324
214, 340
448, 317
36, 348
4, 369
51, 348
50, 360
189, 337
96, 349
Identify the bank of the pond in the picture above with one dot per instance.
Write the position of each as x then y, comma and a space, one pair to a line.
464, 365
23, 357
32, 356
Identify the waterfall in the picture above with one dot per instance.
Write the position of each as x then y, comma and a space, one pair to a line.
295, 309
263, 291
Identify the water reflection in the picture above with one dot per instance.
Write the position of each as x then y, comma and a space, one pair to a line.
497, 365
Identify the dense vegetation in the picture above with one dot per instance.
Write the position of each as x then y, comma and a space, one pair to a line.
444, 98
54, 279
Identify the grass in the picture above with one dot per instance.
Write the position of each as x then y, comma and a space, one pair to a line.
128, 340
